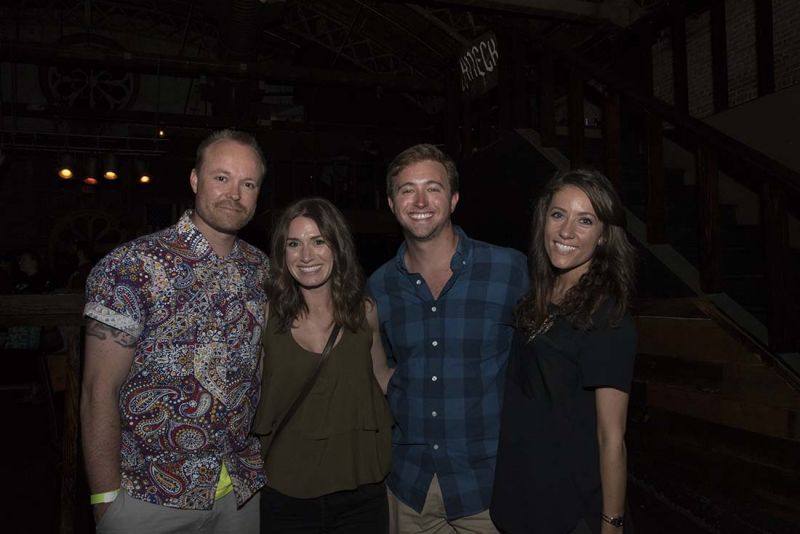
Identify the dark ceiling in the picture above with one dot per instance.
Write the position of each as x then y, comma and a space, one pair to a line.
256, 60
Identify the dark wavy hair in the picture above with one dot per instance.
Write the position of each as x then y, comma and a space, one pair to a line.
347, 281
415, 154
611, 274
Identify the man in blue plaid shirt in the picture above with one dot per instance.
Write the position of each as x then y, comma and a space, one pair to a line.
446, 309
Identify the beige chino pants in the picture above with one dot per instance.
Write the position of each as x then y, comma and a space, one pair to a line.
433, 520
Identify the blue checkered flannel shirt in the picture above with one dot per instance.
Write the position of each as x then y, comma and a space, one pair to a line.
450, 356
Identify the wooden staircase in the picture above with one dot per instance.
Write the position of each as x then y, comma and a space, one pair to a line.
715, 420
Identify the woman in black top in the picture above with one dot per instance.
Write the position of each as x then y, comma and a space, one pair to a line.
561, 464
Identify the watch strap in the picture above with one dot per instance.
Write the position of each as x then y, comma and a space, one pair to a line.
614, 521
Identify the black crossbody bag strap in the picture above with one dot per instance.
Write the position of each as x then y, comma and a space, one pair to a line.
308, 384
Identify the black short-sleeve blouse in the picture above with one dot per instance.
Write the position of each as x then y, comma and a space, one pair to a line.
548, 472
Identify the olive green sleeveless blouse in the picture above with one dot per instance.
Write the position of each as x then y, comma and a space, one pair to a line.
340, 436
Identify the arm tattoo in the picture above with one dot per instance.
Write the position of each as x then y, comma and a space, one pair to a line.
103, 331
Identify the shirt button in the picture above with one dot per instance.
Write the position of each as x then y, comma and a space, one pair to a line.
434, 378
435, 343
433, 308
435, 447
434, 414
419, 282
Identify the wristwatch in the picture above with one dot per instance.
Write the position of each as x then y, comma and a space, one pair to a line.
613, 521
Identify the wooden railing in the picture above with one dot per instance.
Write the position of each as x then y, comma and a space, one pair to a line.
66, 313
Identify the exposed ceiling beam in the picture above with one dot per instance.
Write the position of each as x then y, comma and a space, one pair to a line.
41, 54
619, 12
401, 27
433, 19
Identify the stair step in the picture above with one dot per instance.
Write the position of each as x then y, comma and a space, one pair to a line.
749, 474
779, 422
702, 375
736, 261
735, 443
746, 289
760, 385
743, 235
792, 360
695, 339
655, 280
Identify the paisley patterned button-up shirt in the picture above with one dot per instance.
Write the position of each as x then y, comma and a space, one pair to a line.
189, 399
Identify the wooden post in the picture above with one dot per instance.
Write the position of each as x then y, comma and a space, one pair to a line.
576, 119
547, 99
775, 225
680, 70
656, 212
709, 219
719, 56
765, 54
612, 141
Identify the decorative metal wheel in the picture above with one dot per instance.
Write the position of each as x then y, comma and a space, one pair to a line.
89, 87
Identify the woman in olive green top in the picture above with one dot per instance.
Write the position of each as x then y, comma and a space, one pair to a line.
327, 465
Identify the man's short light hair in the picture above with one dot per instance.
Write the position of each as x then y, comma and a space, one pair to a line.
415, 154
243, 138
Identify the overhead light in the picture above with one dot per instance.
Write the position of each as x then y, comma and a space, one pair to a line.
91, 171
110, 167
66, 164
161, 133
142, 173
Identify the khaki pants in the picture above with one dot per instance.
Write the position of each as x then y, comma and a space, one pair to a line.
127, 515
433, 520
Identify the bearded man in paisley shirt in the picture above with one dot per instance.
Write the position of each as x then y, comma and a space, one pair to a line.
171, 379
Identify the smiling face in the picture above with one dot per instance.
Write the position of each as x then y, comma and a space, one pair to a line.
572, 232
421, 200
309, 257
226, 187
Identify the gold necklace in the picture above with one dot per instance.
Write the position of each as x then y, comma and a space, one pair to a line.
544, 327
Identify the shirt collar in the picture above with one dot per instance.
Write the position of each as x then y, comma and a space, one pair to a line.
460, 259
199, 245
463, 254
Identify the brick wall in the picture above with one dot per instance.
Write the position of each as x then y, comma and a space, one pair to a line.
741, 33
741, 45
698, 54
663, 87
786, 18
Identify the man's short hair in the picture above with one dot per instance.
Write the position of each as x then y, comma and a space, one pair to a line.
415, 154
243, 138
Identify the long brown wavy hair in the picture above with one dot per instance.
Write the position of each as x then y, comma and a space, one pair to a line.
611, 274
347, 281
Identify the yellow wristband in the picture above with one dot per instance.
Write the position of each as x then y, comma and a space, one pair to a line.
100, 498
